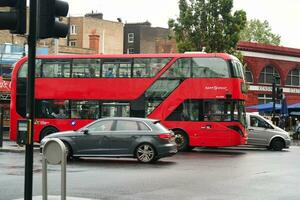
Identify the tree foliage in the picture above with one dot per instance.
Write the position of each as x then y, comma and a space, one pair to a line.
261, 32
207, 24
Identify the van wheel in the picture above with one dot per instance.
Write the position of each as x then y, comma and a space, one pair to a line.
277, 144
47, 131
181, 140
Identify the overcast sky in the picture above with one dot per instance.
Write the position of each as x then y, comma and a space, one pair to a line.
283, 15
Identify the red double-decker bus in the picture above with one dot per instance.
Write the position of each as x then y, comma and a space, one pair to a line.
199, 96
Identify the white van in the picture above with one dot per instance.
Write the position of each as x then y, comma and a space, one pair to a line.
261, 132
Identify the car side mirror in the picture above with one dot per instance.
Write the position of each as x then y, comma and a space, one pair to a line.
85, 131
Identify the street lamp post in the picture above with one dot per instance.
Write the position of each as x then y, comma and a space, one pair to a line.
275, 78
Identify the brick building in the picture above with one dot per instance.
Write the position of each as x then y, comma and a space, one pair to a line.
93, 32
265, 61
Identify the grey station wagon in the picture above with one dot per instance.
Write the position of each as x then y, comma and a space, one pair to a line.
141, 138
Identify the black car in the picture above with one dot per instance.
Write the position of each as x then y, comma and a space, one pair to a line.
141, 138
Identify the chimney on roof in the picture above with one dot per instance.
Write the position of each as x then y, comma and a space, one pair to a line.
94, 41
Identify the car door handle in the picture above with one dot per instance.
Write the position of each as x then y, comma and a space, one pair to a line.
250, 129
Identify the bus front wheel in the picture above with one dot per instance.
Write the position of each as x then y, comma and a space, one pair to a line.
47, 131
181, 140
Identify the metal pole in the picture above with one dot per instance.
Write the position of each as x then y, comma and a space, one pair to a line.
1, 126
273, 99
30, 99
45, 179
63, 184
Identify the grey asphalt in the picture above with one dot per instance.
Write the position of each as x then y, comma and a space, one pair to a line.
209, 174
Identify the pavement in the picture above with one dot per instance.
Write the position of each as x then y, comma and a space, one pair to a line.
56, 198
12, 146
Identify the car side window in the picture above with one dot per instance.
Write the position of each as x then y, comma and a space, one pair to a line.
101, 126
143, 127
257, 122
125, 125
253, 121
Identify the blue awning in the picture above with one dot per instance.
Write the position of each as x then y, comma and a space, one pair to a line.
294, 106
265, 107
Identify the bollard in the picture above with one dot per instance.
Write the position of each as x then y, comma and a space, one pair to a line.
1, 126
54, 152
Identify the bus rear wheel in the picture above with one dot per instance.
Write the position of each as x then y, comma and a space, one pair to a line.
47, 131
181, 140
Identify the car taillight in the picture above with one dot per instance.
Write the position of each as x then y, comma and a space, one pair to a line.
165, 136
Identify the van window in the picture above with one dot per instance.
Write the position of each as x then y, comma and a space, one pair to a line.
258, 122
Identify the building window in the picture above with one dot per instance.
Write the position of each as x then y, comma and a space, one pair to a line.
130, 50
267, 75
73, 30
264, 98
130, 37
293, 78
72, 44
249, 76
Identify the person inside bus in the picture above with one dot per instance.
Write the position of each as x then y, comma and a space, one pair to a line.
91, 72
92, 113
214, 113
109, 72
61, 114
138, 73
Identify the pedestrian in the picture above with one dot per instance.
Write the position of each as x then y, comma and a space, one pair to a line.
297, 130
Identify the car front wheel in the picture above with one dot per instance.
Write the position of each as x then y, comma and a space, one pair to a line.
145, 153
68, 151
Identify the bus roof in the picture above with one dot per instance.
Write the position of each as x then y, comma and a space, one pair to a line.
173, 55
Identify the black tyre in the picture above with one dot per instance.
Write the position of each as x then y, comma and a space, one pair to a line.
145, 153
277, 144
181, 140
47, 131
69, 151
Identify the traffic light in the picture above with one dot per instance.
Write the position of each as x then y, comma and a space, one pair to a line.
279, 93
48, 13
15, 18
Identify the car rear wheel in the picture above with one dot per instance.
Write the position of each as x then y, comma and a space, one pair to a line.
181, 140
277, 144
145, 153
